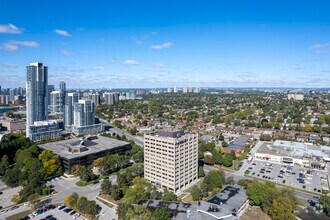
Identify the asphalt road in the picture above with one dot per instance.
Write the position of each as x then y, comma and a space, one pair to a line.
120, 132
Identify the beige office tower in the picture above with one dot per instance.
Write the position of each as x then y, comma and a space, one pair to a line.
171, 159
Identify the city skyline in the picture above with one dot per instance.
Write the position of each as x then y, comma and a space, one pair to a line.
150, 45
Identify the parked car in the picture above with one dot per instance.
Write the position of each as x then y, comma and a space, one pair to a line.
75, 215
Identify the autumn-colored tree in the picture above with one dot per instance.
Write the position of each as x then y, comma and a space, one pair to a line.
97, 162
208, 160
67, 200
50, 162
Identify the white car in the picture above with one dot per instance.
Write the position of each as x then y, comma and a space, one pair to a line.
75, 215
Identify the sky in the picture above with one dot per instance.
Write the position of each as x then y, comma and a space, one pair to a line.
152, 44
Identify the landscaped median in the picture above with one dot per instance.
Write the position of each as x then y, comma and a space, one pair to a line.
82, 183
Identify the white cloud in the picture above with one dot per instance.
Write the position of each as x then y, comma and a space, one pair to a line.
9, 65
158, 65
9, 47
9, 29
65, 52
130, 62
62, 32
98, 68
13, 45
321, 48
162, 46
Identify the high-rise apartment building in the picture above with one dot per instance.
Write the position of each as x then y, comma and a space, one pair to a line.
62, 89
55, 102
50, 89
84, 118
96, 98
84, 113
37, 126
4, 99
171, 159
111, 98
71, 100
36, 94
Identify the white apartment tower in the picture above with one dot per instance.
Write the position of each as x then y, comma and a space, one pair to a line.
171, 159
71, 100
36, 94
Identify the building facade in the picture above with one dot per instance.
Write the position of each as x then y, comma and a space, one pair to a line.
296, 97
171, 159
71, 100
36, 94
42, 130
55, 102
84, 118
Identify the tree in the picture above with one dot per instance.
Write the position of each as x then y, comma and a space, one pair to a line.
4, 164
138, 192
228, 160
201, 172
12, 176
116, 193
169, 196
73, 200
97, 161
50, 162
308, 128
138, 212
155, 194
200, 154
291, 194
325, 202
233, 154
196, 193
208, 160
230, 180
138, 157
281, 209
242, 182
67, 200
86, 174
217, 158
86, 206
214, 179
161, 214
106, 186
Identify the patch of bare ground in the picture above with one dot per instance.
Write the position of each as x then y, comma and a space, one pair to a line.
253, 213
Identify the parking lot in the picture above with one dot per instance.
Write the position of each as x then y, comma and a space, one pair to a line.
6, 194
58, 214
294, 176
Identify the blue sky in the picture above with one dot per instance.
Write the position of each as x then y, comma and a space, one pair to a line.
131, 44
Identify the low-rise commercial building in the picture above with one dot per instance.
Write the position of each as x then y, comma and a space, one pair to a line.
83, 151
295, 153
13, 124
42, 130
